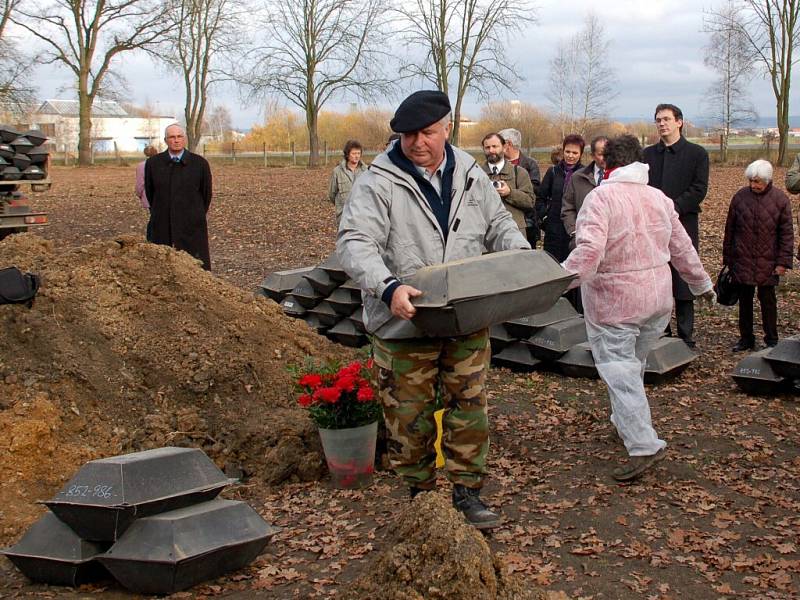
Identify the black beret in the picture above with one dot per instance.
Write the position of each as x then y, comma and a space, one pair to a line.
419, 110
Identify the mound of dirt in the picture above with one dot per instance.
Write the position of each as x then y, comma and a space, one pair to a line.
131, 346
434, 554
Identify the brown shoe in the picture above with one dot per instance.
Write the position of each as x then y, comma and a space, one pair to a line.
637, 465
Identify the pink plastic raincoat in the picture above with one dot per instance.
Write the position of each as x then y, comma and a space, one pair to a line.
626, 235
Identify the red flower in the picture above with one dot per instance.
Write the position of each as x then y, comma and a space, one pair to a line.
311, 380
330, 395
346, 383
365, 394
305, 400
353, 369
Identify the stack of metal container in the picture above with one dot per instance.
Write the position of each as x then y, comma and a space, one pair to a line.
150, 519
23, 156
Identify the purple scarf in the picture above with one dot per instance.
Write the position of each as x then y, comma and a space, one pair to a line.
568, 171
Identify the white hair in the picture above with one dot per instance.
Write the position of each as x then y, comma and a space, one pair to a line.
178, 125
512, 135
445, 120
760, 169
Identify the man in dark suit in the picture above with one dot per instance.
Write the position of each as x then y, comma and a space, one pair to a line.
178, 186
679, 168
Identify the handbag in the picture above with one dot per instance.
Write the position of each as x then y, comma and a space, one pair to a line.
726, 288
17, 287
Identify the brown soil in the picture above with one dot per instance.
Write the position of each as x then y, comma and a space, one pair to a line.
448, 560
130, 346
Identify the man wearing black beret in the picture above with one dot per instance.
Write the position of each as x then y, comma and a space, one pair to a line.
424, 202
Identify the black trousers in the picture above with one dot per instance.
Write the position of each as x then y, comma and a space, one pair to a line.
684, 316
769, 312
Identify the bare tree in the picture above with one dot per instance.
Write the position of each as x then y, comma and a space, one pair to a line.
731, 56
15, 91
464, 44
201, 34
314, 50
219, 123
771, 28
86, 36
582, 82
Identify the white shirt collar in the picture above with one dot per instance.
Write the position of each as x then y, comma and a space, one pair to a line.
499, 166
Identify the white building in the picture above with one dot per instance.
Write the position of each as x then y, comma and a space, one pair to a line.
111, 124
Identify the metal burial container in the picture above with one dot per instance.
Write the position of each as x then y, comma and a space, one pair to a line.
333, 267
578, 362
344, 301
278, 284
321, 281
350, 284
325, 313
785, 357
36, 137
7, 152
173, 551
755, 376
526, 326
50, 552
358, 320
517, 357
33, 173
499, 337
8, 134
464, 296
305, 294
38, 155
22, 144
313, 322
668, 358
550, 342
292, 308
346, 333
105, 496
10, 173
21, 161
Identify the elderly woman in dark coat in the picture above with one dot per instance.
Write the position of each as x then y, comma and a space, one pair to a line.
758, 250
548, 197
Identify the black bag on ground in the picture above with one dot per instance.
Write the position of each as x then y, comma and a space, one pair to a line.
17, 287
725, 288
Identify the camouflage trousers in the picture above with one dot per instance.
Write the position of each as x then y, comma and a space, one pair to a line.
410, 373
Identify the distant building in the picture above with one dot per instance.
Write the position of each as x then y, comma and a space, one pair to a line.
111, 124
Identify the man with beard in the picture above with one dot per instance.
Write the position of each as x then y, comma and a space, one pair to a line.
511, 182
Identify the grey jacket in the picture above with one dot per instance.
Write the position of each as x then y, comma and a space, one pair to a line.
793, 177
521, 198
389, 230
580, 184
341, 183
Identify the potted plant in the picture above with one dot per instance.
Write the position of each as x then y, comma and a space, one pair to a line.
342, 403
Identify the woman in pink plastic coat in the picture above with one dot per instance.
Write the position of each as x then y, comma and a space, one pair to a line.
626, 235
139, 189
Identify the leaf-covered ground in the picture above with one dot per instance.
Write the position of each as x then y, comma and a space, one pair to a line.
720, 518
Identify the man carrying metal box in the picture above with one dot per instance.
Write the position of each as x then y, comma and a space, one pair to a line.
424, 202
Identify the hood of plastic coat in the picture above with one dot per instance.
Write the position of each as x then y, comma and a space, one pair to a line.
633, 173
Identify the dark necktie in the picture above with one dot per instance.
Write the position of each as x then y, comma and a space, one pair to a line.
599, 176
494, 170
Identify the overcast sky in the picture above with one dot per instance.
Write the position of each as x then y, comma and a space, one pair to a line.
657, 53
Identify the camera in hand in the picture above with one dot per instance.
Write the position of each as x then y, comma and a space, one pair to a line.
497, 184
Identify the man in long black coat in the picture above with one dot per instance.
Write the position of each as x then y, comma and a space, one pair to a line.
178, 185
679, 168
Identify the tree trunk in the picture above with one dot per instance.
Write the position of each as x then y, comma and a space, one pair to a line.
313, 137
783, 127
85, 101
455, 134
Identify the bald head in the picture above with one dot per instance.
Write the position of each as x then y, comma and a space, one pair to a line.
175, 138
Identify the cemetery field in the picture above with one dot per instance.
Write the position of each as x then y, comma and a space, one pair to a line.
719, 518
